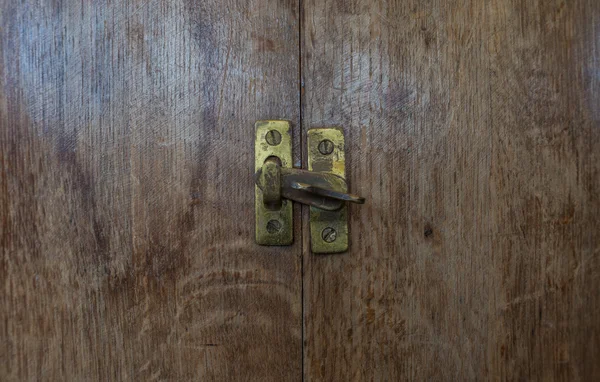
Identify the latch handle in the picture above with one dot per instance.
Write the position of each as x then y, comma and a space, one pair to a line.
318, 189
329, 193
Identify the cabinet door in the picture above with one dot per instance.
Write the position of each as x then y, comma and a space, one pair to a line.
126, 191
472, 129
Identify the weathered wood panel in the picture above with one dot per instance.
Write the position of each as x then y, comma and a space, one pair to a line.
126, 202
473, 130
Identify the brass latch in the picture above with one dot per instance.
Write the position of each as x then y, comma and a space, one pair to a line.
323, 187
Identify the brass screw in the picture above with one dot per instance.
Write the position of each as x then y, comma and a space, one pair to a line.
325, 147
273, 137
273, 226
329, 235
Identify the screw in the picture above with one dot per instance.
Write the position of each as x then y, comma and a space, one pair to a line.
329, 235
325, 147
273, 137
273, 226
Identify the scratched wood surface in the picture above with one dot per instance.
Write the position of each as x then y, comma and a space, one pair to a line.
473, 128
126, 202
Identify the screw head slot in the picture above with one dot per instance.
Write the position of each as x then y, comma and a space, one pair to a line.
273, 226
326, 147
329, 235
273, 137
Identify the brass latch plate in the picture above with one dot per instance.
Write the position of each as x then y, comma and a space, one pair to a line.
273, 139
322, 186
328, 229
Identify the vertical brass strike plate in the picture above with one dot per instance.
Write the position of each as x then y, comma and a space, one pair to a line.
328, 229
273, 139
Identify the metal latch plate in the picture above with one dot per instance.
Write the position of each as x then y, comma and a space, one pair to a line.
273, 139
328, 229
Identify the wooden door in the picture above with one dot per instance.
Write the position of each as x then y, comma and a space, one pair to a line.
127, 193
473, 128
126, 190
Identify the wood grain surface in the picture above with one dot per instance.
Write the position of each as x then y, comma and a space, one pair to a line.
473, 129
126, 191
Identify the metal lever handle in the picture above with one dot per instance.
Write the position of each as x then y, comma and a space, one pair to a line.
329, 193
318, 189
